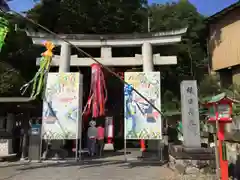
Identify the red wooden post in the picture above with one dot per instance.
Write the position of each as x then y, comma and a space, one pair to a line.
221, 117
223, 161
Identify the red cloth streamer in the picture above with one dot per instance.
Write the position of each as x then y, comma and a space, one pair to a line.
98, 93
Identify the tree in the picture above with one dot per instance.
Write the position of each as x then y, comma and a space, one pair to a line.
81, 16
191, 52
209, 86
3, 5
17, 59
10, 79
46, 13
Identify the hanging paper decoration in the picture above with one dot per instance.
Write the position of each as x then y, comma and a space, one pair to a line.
4, 28
98, 93
39, 78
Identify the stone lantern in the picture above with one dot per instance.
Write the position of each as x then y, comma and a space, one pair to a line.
220, 110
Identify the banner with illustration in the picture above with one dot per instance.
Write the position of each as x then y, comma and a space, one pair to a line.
62, 106
142, 121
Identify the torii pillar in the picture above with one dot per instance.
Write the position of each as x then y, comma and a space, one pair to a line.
147, 56
65, 62
148, 66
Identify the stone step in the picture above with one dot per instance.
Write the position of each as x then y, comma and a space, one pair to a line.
180, 148
201, 154
181, 155
8, 157
198, 150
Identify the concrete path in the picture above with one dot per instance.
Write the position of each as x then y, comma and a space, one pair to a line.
109, 168
94, 170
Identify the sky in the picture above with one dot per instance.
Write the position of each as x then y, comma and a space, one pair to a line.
205, 7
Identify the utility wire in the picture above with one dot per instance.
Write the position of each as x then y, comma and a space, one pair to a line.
86, 54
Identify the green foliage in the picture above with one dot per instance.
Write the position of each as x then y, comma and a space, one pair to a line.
191, 52
210, 86
234, 92
16, 59
10, 79
81, 16
46, 13
169, 102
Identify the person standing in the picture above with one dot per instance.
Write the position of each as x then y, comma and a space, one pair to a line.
100, 139
92, 136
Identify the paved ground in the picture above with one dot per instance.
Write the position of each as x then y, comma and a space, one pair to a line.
105, 169
88, 171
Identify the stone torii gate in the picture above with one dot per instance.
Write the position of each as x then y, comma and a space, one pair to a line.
147, 59
106, 42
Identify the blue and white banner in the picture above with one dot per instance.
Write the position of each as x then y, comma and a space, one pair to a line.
142, 121
62, 106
